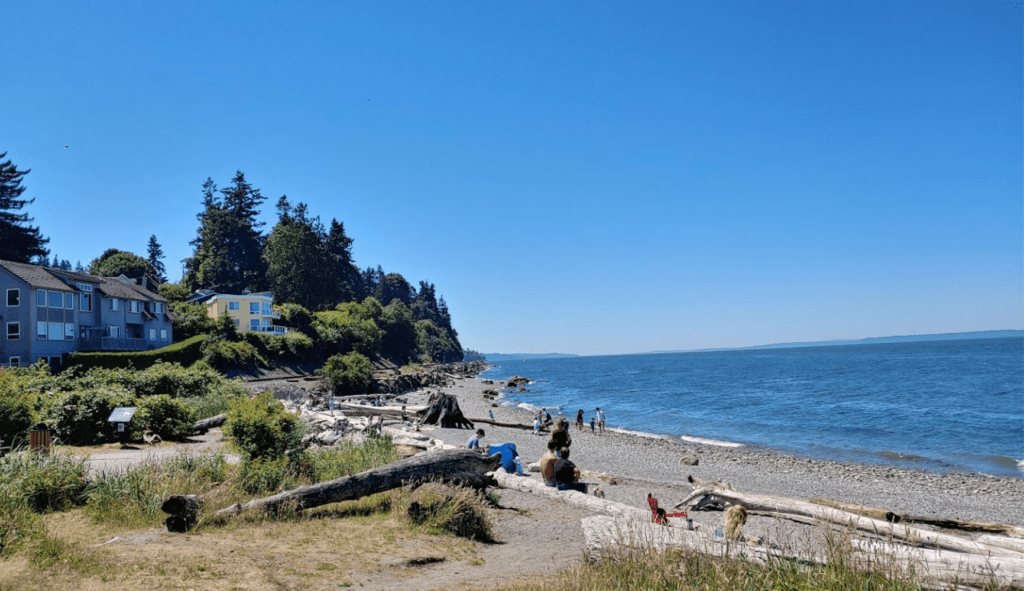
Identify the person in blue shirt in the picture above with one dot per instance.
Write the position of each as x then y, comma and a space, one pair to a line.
474, 441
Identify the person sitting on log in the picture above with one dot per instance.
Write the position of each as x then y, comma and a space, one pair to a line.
567, 475
474, 441
560, 434
547, 463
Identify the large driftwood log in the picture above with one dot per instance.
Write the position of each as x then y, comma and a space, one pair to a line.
932, 568
946, 523
501, 424
365, 410
458, 465
205, 425
782, 506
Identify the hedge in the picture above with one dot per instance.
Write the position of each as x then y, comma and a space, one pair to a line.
184, 353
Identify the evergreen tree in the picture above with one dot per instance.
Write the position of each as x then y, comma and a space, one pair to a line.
424, 307
19, 242
300, 268
394, 287
228, 255
155, 258
350, 284
114, 262
79, 267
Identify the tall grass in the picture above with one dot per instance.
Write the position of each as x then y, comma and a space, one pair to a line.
31, 484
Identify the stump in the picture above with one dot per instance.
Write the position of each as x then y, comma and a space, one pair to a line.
183, 510
444, 410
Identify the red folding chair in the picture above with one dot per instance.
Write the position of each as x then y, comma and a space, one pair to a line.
658, 514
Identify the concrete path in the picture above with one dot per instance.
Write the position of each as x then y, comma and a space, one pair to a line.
119, 460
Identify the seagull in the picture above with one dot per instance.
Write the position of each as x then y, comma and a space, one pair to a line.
65, 146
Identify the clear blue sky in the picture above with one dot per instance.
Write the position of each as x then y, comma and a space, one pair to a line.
581, 177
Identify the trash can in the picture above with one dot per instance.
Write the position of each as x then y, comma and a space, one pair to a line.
39, 439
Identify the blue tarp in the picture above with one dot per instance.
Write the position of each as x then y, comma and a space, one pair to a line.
508, 455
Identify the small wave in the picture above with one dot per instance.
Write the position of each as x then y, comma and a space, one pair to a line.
1020, 464
710, 441
636, 433
529, 407
891, 455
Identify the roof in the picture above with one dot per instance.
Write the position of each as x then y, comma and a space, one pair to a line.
148, 294
36, 276
115, 288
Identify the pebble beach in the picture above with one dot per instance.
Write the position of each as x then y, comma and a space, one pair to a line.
644, 463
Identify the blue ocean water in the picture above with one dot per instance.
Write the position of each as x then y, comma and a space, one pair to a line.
941, 406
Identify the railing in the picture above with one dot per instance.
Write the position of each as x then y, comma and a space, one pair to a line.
271, 329
113, 344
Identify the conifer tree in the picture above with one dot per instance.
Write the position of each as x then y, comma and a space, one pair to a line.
155, 258
348, 277
19, 241
300, 268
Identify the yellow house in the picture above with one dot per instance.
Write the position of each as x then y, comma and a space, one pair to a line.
251, 311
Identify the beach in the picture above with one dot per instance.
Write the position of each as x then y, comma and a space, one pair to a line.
649, 463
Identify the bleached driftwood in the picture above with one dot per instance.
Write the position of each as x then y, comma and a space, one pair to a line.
459, 465
501, 424
204, 425
366, 410
605, 535
572, 497
946, 523
782, 506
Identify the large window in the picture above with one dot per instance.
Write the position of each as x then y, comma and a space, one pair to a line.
254, 324
86, 303
55, 299
232, 305
55, 331
114, 303
14, 297
13, 331
254, 307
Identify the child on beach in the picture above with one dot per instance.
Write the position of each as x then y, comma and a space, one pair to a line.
474, 441
536, 426
592, 425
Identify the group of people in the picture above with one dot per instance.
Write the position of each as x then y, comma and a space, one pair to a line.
556, 468
596, 421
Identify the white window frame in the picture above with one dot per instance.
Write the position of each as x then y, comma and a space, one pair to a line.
152, 334
69, 301
83, 298
234, 306
163, 334
17, 296
14, 362
50, 298
158, 307
84, 286
114, 304
114, 332
254, 308
69, 331
17, 332
41, 330
254, 324
41, 295
133, 305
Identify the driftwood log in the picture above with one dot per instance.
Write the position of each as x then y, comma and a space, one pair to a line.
461, 466
205, 425
784, 507
444, 410
365, 410
945, 523
607, 536
501, 424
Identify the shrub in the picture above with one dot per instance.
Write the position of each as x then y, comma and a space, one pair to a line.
261, 427
457, 511
17, 415
190, 320
172, 419
173, 379
347, 373
259, 475
44, 483
185, 352
80, 417
222, 355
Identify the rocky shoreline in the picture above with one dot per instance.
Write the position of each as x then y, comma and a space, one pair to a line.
654, 463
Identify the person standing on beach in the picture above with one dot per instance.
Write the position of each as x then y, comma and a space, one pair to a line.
600, 420
579, 420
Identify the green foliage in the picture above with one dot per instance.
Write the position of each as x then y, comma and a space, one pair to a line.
114, 262
19, 242
399, 343
262, 428
291, 346
80, 417
43, 483
457, 511
184, 352
262, 475
174, 292
350, 327
300, 268
347, 374
190, 320
225, 355
17, 415
172, 419
435, 343
297, 318
347, 458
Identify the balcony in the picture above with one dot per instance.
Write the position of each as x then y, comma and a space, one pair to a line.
113, 344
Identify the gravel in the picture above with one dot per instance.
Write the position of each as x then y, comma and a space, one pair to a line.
652, 464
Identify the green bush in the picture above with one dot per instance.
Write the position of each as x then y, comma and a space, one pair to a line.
347, 374
172, 419
17, 415
262, 428
223, 355
184, 352
80, 417
260, 475
173, 379
190, 320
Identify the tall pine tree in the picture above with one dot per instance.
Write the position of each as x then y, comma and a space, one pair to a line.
155, 258
228, 256
19, 241
300, 268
